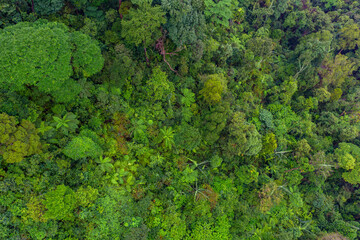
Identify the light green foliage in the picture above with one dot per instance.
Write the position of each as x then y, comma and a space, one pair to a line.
17, 140
42, 53
332, 3
173, 227
105, 164
188, 102
212, 231
352, 176
189, 175
159, 87
166, 137
68, 123
296, 19
254, 134
59, 203
348, 157
43, 128
336, 94
346, 161
82, 147
219, 12
247, 174
302, 148
110, 215
142, 25
285, 91
244, 138
261, 46
269, 144
139, 131
284, 120
188, 97
349, 37
49, 51
346, 229
90, 28
87, 58
322, 95
267, 118
334, 72
214, 87
86, 196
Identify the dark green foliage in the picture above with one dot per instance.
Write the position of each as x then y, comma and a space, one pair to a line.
243, 123
142, 25
188, 137
46, 7
186, 22
219, 11
244, 139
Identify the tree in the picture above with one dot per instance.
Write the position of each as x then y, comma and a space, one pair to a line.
188, 137
142, 25
45, 54
338, 127
214, 121
81, 147
219, 11
214, 87
334, 72
244, 139
87, 58
309, 54
159, 87
105, 164
349, 37
347, 156
123, 68
60, 203
86, 195
67, 123
186, 22
46, 7
17, 140
188, 103
166, 137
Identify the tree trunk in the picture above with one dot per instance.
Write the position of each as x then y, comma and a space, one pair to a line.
121, 16
32, 6
147, 59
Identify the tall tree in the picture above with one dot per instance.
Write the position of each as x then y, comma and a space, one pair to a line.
186, 22
142, 25
45, 54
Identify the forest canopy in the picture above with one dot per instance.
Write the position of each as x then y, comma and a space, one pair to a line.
179, 119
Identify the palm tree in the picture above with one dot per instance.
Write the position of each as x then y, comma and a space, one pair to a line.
167, 137
105, 164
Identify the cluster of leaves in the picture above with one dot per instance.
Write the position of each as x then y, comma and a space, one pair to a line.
179, 119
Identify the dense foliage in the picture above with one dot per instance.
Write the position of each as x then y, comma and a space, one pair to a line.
179, 119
